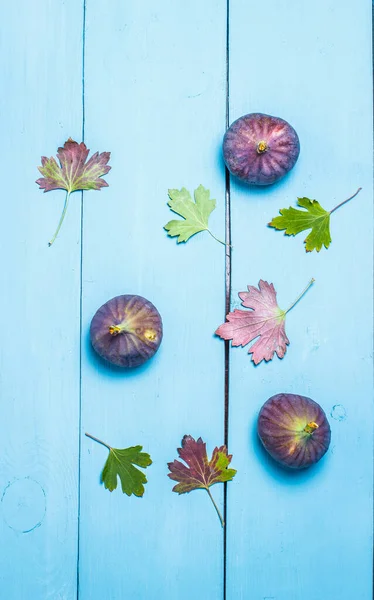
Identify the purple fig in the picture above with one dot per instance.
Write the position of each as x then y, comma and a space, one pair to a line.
294, 430
260, 149
126, 330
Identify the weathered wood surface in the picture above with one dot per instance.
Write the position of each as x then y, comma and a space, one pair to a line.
148, 82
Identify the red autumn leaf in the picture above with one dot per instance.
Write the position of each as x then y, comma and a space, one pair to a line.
73, 173
200, 473
265, 321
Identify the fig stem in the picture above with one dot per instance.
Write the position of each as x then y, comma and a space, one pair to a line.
115, 329
95, 439
344, 201
217, 239
61, 219
261, 147
311, 427
216, 507
120, 328
300, 295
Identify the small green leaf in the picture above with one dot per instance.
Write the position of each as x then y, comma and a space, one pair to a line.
195, 213
120, 463
314, 217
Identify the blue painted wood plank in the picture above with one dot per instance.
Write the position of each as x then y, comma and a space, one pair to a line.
39, 304
155, 97
308, 535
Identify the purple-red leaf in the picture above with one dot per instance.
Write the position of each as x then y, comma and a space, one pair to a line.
265, 321
74, 173
199, 472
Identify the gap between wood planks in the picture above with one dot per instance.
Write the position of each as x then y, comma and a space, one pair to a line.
227, 297
84, 6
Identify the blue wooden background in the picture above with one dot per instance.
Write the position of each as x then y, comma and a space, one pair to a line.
148, 82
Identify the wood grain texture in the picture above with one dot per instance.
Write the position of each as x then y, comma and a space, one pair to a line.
39, 304
155, 97
308, 535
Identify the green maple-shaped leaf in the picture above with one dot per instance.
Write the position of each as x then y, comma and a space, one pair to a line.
195, 213
120, 463
314, 217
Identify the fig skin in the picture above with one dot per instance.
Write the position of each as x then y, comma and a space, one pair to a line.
260, 149
294, 430
126, 331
